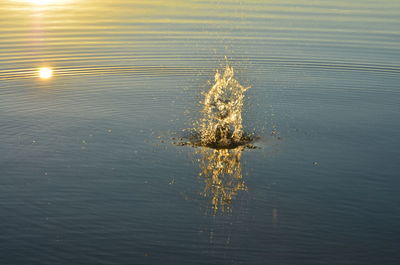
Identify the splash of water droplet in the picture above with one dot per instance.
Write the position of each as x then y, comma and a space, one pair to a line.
219, 134
221, 125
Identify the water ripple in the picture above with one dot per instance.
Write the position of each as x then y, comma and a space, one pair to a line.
154, 71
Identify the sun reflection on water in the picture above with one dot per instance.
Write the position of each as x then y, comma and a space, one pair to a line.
43, 3
40, 2
45, 73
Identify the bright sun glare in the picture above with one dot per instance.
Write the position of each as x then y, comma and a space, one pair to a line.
45, 73
41, 2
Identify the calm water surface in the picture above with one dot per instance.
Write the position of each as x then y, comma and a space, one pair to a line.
88, 171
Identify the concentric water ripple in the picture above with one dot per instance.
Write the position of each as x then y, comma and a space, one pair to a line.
90, 90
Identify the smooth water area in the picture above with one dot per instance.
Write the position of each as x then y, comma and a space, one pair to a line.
88, 170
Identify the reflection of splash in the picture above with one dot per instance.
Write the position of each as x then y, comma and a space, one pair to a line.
222, 174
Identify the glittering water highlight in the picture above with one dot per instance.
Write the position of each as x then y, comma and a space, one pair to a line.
222, 173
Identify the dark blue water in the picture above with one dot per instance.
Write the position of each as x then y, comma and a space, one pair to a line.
88, 171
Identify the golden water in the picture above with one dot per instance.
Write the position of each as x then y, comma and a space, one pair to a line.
221, 128
222, 173
221, 139
221, 125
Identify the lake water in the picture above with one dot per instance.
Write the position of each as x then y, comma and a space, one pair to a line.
89, 173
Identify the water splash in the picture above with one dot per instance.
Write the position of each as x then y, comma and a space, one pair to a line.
221, 125
219, 134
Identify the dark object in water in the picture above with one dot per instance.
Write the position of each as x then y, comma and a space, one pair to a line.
194, 139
